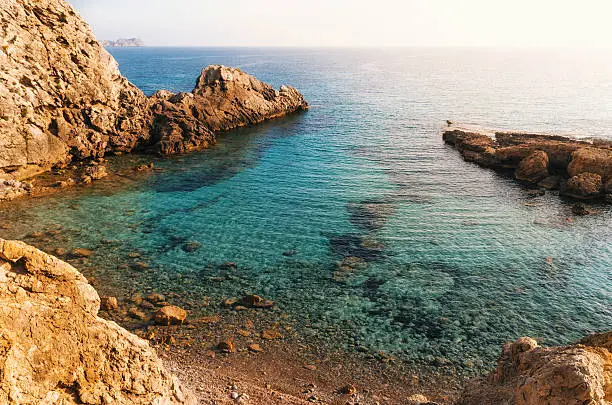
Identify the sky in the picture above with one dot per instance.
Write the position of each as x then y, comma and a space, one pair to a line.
354, 23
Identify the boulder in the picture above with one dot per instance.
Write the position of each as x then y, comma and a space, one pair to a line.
584, 186
528, 375
109, 303
170, 315
533, 168
54, 349
591, 160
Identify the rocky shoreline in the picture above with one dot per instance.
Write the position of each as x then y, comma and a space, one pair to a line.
581, 170
64, 102
50, 311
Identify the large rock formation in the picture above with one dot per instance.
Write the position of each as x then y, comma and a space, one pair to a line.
63, 98
61, 94
54, 349
539, 159
526, 374
223, 98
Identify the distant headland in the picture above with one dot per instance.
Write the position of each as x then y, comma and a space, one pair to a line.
123, 42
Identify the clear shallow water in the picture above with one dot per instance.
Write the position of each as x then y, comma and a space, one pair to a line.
454, 256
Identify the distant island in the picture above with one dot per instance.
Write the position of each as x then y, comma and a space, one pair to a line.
123, 42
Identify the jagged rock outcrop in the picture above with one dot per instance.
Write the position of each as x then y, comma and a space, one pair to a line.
61, 93
54, 349
579, 168
526, 374
62, 97
223, 98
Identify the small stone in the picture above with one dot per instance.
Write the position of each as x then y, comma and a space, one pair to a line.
227, 346
141, 265
170, 315
243, 332
191, 246
580, 210
210, 319
255, 348
230, 302
60, 251
271, 334
310, 367
348, 389
96, 172
109, 303
229, 265
136, 298
156, 297
417, 399
81, 253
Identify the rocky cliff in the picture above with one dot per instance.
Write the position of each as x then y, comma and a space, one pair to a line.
54, 349
526, 374
579, 169
62, 97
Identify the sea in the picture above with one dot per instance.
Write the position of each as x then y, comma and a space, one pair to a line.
355, 217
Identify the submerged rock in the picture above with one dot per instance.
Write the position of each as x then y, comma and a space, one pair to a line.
527, 374
55, 348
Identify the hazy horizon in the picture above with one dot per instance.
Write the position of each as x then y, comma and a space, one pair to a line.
342, 23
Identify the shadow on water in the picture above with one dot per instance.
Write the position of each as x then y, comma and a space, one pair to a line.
235, 152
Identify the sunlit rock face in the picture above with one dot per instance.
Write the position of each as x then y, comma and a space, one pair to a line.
61, 93
54, 349
529, 375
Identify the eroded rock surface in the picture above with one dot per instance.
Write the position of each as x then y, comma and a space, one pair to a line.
581, 169
61, 93
526, 374
62, 97
54, 349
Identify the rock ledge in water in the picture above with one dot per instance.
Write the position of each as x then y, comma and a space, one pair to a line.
580, 169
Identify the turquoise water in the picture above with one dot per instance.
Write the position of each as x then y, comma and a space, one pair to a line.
453, 258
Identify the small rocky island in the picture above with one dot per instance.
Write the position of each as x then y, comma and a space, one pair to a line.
123, 43
578, 169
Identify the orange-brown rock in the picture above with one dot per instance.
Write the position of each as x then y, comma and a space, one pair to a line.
227, 346
170, 315
109, 303
530, 375
533, 168
584, 186
54, 349
591, 160
545, 160
63, 98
